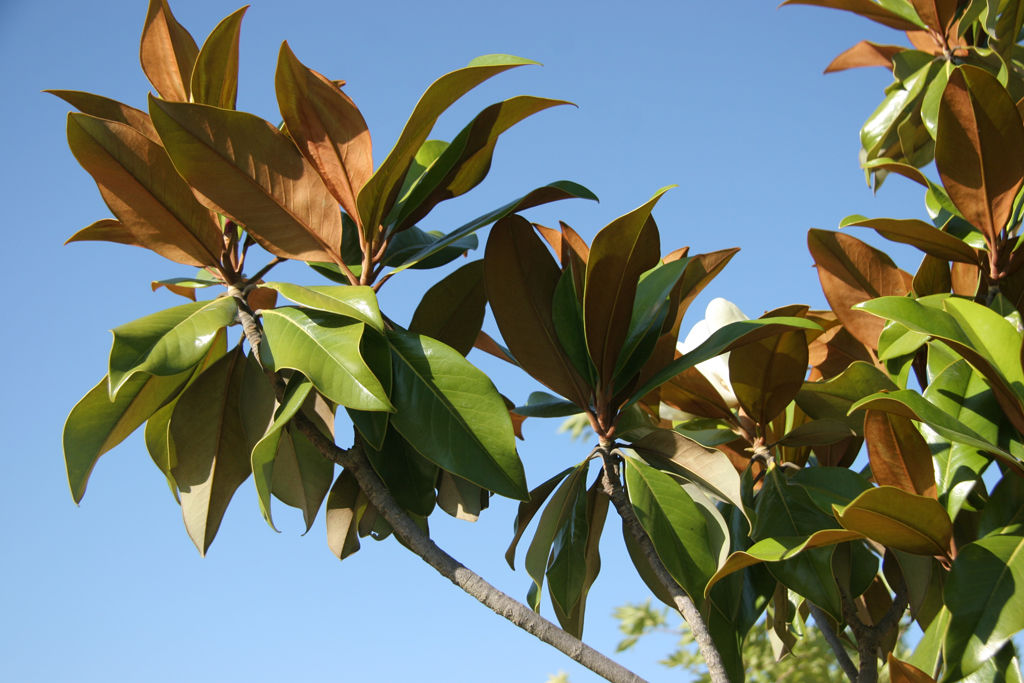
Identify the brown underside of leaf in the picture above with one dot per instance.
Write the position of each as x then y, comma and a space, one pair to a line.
168, 53
898, 453
865, 53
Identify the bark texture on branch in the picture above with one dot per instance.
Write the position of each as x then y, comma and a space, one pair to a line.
683, 603
833, 640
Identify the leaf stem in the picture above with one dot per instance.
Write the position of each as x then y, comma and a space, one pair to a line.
264, 270
683, 603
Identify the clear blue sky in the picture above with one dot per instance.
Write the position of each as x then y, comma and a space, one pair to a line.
728, 103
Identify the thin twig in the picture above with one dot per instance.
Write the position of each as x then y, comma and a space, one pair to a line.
264, 270
682, 601
833, 640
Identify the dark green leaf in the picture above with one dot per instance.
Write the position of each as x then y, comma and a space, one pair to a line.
452, 311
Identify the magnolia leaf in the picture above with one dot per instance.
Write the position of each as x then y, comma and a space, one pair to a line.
597, 513
408, 475
485, 343
620, 253
380, 191
567, 568
835, 398
215, 75
650, 308
900, 520
828, 486
168, 53
325, 348
105, 230
556, 515
979, 149
452, 311
816, 433
556, 191
345, 506
327, 128
359, 303
529, 509
898, 454
452, 415
211, 447
460, 498
926, 237
767, 374
168, 342
245, 168
867, 9
106, 108
521, 279
143, 190
541, 404
676, 526
852, 272
710, 469
865, 53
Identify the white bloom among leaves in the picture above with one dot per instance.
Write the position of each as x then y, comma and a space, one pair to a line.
719, 313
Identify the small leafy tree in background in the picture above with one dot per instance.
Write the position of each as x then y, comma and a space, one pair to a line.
746, 508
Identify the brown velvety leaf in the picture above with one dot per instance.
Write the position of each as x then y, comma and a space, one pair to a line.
245, 168
767, 374
901, 672
105, 230
979, 150
214, 78
933, 277
898, 453
140, 185
452, 311
187, 292
923, 41
865, 53
517, 424
261, 299
839, 454
553, 238
964, 279
112, 110
852, 272
937, 15
327, 127
520, 277
211, 447
168, 53
485, 343
865, 8
691, 392
621, 252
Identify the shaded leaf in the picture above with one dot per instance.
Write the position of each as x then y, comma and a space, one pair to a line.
926, 237
597, 513
540, 404
559, 509
409, 243
898, 453
528, 510
835, 398
828, 486
452, 311
460, 498
106, 108
567, 568
767, 374
816, 433
343, 515
408, 475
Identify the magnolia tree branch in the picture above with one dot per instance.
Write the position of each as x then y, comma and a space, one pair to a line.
414, 538
833, 640
870, 637
683, 603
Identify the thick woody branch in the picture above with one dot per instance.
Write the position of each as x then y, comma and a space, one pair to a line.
355, 461
683, 603
870, 637
414, 538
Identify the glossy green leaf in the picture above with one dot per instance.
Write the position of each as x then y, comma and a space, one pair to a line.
985, 596
245, 168
597, 513
266, 450
373, 425
567, 568
211, 447
359, 303
895, 518
553, 192
817, 433
828, 486
97, 424
328, 130
710, 469
834, 398
896, 341
652, 294
556, 514
215, 75
465, 162
1004, 511
408, 475
451, 414
785, 510
378, 195
927, 238
676, 526
567, 315
979, 148
168, 342
403, 246
726, 339
621, 252
326, 349
541, 404
143, 190
452, 311
521, 280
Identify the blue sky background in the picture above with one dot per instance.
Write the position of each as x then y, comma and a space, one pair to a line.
726, 100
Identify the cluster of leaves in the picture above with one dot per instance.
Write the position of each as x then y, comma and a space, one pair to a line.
744, 507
